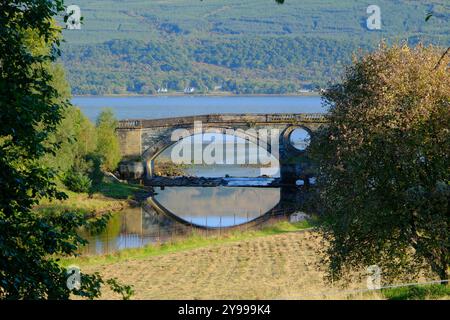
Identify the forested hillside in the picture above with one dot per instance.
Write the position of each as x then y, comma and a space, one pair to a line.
254, 46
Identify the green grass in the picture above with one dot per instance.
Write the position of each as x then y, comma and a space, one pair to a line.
192, 242
432, 291
118, 190
109, 196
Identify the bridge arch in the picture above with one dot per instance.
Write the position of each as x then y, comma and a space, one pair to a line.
287, 135
151, 153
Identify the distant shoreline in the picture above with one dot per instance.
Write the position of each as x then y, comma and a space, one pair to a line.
180, 94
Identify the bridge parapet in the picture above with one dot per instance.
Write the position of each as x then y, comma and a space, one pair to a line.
130, 124
296, 118
224, 118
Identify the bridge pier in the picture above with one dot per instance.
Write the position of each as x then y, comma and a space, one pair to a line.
294, 163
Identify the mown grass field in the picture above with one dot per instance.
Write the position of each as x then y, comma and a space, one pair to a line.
278, 262
283, 265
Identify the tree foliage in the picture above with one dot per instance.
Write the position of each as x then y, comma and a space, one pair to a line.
32, 108
85, 149
76, 137
384, 167
107, 141
238, 65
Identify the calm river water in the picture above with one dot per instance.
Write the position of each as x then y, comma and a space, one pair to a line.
156, 107
215, 207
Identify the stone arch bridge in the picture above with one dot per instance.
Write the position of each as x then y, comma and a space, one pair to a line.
141, 141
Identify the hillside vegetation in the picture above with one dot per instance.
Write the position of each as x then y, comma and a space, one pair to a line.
236, 46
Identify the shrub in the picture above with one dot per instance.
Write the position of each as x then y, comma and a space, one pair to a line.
77, 182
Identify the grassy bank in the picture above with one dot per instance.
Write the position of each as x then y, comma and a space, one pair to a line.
108, 196
191, 242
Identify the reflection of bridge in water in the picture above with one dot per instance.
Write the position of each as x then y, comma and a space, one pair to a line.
144, 227
143, 140
215, 207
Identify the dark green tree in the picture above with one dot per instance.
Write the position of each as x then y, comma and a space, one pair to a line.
31, 109
384, 165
